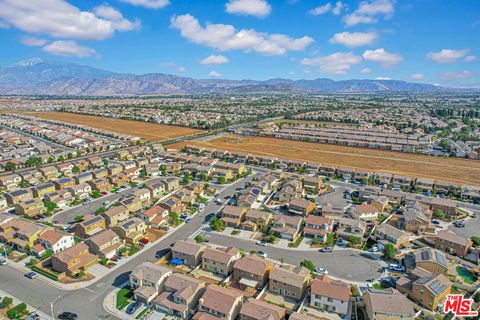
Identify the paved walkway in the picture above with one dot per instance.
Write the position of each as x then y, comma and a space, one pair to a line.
16, 301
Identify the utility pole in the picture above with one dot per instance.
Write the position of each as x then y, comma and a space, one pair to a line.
51, 306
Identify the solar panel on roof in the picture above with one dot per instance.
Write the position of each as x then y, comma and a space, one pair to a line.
441, 258
426, 255
438, 287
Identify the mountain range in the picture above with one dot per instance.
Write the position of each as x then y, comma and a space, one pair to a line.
45, 77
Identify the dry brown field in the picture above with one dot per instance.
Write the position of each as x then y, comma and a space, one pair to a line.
414, 165
146, 130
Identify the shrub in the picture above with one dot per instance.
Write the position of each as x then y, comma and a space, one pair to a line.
308, 264
6, 301
17, 310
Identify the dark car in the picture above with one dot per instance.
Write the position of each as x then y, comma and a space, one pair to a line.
208, 217
33, 316
133, 307
67, 316
161, 253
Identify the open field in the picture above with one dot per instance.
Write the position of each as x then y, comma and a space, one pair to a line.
414, 165
146, 130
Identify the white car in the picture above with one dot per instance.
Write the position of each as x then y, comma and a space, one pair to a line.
3, 262
262, 243
262, 254
321, 271
374, 249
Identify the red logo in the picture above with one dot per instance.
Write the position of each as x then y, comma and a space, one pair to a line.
459, 306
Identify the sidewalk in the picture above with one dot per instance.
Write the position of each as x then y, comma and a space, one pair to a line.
16, 301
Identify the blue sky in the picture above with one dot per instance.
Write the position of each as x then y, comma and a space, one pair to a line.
433, 41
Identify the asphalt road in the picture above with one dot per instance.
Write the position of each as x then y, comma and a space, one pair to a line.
88, 302
347, 264
472, 226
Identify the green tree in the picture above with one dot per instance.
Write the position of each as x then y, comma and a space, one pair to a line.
75, 169
389, 251
354, 240
439, 214
308, 264
96, 194
78, 218
10, 166
50, 206
217, 224
221, 180
476, 241
174, 219
34, 161
330, 240
6, 301
199, 239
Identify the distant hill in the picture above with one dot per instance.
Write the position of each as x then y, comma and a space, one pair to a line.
45, 77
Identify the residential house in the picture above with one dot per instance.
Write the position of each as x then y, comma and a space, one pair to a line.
388, 233
20, 233
56, 241
101, 185
83, 177
132, 203
452, 243
447, 206
318, 227
74, 260
312, 183
233, 216
427, 289
173, 204
181, 296
64, 183
61, 198
220, 260
366, 212
388, 304
330, 295
143, 195
32, 207
255, 309
104, 244
256, 220
90, 226
156, 216
147, 280
100, 173
81, 191
18, 196
49, 172
10, 182
171, 183
350, 227
428, 259
188, 251
115, 214
286, 227
301, 206
131, 230
289, 281
415, 221
252, 272
222, 303
157, 189
424, 184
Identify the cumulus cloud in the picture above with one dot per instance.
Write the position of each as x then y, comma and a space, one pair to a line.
335, 9
383, 78
354, 39
182, 69
365, 71
456, 75
225, 37
68, 48
338, 63
59, 19
149, 4
256, 8
447, 55
383, 57
214, 74
368, 12
417, 77
215, 59
116, 18
33, 41
470, 58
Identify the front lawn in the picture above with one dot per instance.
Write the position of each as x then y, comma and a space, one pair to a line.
123, 297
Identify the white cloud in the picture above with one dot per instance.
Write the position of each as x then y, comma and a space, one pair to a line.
456, 75
214, 74
447, 55
383, 78
338, 63
417, 77
59, 19
365, 71
33, 41
182, 69
68, 48
167, 64
383, 57
354, 39
336, 10
149, 4
368, 12
225, 37
257, 8
470, 58
116, 17
215, 59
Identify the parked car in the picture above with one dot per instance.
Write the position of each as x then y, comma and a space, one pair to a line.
33, 316
396, 267
321, 271
188, 220
436, 222
262, 254
208, 217
67, 316
373, 249
104, 192
3, 262
133, 307
31, 275
326, 249
164, 228
262, 243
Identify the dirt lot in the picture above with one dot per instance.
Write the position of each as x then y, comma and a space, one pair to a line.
145, 130
458, 170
